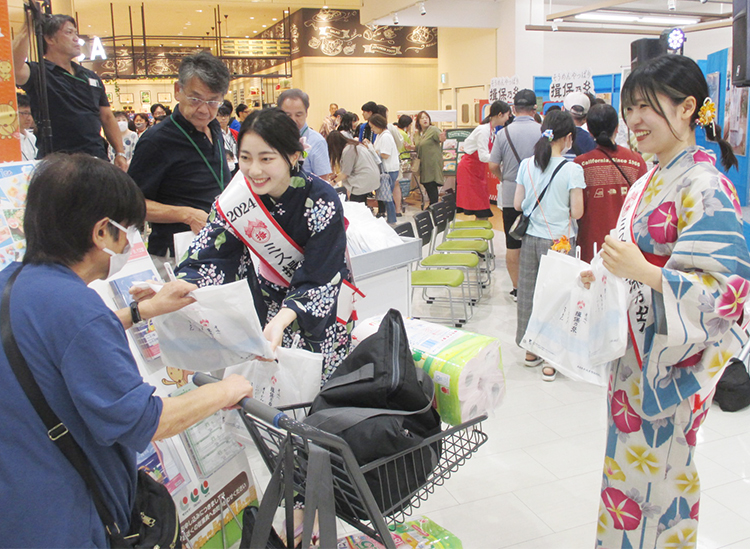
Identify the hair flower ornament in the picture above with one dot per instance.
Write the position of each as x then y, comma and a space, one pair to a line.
707, 113
548, 134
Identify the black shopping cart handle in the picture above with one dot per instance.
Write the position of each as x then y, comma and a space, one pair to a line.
252, 406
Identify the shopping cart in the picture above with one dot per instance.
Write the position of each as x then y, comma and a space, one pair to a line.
286, 446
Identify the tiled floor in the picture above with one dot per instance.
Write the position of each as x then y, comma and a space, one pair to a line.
535, 483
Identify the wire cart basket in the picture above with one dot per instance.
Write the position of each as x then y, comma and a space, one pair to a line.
285, 444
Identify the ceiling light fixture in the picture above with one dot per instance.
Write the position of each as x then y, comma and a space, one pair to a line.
647, 20
395, 18
671, 5
422, 9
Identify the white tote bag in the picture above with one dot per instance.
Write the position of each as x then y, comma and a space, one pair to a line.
294, 378
219, 330
578, 330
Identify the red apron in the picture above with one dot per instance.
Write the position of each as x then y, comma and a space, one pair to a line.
471, 184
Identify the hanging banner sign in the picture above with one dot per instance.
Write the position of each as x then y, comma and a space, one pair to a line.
503, 88
564, 83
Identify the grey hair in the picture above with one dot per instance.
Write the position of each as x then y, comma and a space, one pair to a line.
208, 69
294, 93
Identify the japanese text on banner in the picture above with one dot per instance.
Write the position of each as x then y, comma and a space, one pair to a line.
503, 88
564, 83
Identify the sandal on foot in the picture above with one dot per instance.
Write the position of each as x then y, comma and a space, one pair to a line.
532, 362
546, 376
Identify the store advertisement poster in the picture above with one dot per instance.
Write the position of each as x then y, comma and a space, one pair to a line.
567, 82
205, 469
453, 149
504, 88
14, 184
10, 138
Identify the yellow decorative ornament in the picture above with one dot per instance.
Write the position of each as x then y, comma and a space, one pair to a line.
6, 70
707, 113
8, 121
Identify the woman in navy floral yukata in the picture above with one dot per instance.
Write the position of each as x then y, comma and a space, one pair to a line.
294, 224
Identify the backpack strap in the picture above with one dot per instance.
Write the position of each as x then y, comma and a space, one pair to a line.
337, 420
544, 191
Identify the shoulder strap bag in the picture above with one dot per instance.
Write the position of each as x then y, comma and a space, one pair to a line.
146, 529
616, 166
521, 224
512, 146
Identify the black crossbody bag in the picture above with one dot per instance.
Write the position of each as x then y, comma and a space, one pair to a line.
154, 521
521, 224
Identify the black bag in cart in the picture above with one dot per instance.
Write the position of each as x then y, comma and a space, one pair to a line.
380, 403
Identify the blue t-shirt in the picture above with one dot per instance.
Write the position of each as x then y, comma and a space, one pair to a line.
79, 355
317, 162
551, 219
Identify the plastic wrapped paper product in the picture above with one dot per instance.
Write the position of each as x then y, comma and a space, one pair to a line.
366, 233
420, 533
466, 367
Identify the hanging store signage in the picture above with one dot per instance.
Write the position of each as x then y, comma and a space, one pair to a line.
564, 83
338, 33
503, 88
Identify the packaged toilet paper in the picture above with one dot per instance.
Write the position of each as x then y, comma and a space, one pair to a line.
466, 367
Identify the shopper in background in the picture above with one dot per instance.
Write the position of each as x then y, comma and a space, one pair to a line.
681, 247
295, 103
329, 122
386, 148
348, 124
578, 105
160, 112
609, 171
233, 123
25, 128
141, 123
364, 131
230, 137
472, 195
241, 111
514, 143
129, 137
552, 223
298, 297
80, 213
355, 166
429, 141
407, 159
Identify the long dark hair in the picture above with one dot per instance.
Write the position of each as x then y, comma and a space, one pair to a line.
677, 77
275, 128
602, 122
498, 107
337, 142
562, 125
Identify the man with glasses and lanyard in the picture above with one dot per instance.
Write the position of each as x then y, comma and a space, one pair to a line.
180, 164
79, 105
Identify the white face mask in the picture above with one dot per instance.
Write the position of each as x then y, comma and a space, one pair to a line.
123, 125
118, 261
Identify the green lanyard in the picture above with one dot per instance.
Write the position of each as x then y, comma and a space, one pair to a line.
219, 181
74, 77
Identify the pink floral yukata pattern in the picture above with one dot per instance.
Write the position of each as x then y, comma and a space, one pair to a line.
688, 213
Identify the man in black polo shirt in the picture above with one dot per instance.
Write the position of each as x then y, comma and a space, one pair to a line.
78, 104
180, 164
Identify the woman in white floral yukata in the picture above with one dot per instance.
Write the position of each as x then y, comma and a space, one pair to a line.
681, 247
294, 224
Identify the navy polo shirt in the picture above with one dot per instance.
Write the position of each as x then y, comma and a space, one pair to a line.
169, 170
74, 108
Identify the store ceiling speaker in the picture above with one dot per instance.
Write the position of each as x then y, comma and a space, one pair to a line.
644, 49
740, 69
